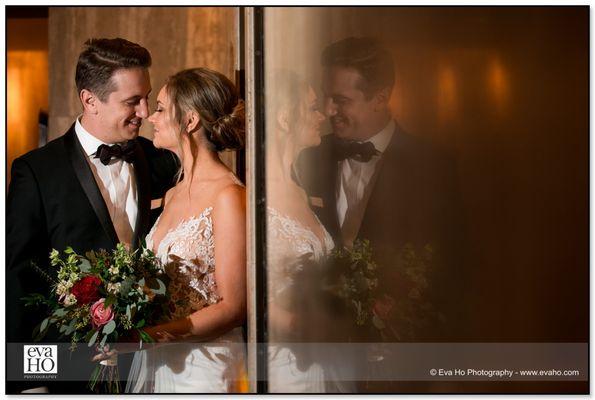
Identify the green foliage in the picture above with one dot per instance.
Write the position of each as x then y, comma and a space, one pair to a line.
137, 292
357, 278
35, 300
145, 337
43, 274
131, 283
109, 327
93, 338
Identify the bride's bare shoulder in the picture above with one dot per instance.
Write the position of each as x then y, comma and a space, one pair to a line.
230, 195
230, 201
167, 196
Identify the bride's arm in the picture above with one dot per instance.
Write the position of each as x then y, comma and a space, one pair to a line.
229, 231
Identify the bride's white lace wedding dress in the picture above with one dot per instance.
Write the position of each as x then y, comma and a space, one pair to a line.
289, 240
188, 254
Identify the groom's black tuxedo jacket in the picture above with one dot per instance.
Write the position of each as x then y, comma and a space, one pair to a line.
413, 201
54, 202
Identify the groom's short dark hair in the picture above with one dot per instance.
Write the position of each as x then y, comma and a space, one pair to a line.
368, 56
101, 58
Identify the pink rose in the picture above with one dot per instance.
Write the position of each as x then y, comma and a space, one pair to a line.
101, 315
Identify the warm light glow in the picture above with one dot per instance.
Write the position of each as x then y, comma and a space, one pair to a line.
27, 94
498, 85
447, 94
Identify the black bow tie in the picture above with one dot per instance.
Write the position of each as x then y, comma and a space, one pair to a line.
125, 152
362, 152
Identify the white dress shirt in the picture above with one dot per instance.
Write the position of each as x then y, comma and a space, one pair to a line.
355, 176
117, 184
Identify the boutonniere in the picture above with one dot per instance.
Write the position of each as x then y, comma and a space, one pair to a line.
316, 202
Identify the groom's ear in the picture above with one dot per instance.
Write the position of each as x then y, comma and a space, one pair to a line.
89, 101
193, 121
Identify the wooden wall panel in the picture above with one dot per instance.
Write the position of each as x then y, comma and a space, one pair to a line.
177, 37
27, 84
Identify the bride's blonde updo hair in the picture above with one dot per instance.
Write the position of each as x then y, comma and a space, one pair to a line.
216, 100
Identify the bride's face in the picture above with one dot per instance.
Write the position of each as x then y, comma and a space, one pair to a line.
311, 121
164, 123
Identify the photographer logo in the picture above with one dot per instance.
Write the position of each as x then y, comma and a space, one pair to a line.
40, 359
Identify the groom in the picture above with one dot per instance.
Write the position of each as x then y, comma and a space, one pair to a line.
371, 180
89, 189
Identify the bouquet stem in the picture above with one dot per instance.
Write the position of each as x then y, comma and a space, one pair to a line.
106, 376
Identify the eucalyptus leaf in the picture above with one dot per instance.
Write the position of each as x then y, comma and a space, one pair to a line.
39, 336
85, 265
70, 327
93, 338
60, 312
160, 290
378, 322
109, 327
128, 314
125, 287
140, 324
103, 340
36, 331
44, 324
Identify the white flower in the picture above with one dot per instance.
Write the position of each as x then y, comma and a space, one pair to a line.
63, 287
69, 300
113, 287
113, 270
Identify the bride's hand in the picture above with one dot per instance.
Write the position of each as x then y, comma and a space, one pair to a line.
172, 331
164, 337
104, 354
126, 344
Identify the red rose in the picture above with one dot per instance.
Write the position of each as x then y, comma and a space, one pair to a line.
86, 290
383, 307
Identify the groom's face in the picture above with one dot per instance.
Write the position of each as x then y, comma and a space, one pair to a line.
121, 114
352, 115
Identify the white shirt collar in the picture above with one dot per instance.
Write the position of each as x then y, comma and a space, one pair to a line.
382, 138
89, 142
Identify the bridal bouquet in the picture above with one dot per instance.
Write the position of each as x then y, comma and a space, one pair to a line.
356, 280
398, 316
100, 298
410, 310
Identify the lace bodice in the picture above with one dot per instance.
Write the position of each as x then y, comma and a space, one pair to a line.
188, 255
289, 241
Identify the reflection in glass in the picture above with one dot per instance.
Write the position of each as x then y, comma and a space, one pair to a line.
442, 226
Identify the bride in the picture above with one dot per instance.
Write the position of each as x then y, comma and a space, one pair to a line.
294, 233
200, 238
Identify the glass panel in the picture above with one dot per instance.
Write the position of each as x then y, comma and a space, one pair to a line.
443, 154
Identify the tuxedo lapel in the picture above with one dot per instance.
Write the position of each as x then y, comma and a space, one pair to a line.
87, 180
141, 170
386, 181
